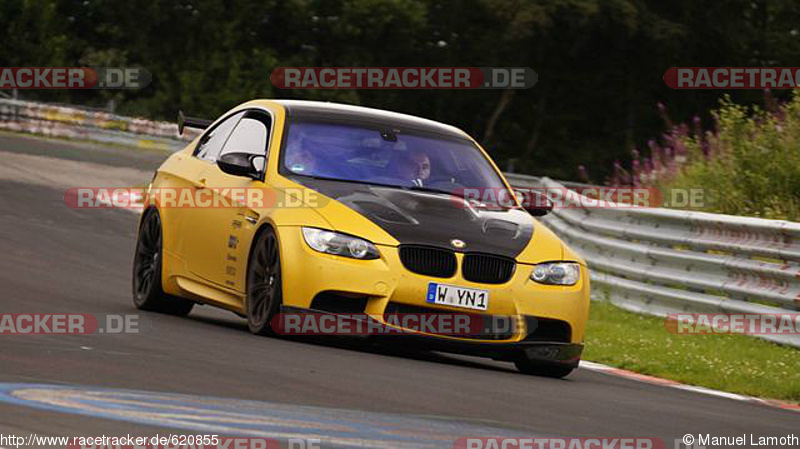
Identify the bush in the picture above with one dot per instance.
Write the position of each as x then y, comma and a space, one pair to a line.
750, 162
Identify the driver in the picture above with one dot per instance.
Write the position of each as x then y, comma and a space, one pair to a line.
420, 166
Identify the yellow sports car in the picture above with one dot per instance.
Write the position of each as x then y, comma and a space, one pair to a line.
291, 207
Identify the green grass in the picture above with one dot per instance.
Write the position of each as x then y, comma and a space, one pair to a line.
734, 363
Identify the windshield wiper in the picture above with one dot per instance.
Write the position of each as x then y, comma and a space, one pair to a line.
428, 189
352, 181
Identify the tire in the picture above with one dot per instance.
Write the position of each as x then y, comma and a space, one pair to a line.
264, 283
557, 371
148, 293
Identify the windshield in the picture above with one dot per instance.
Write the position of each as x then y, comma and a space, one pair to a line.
386, 157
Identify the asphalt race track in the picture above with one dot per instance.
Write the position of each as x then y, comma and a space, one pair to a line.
216, 378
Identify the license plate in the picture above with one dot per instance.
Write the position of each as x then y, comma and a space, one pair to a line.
451, 295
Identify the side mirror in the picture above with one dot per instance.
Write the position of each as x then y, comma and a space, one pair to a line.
239, 164
534, 202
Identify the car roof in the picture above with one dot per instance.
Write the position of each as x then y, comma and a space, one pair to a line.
308, 108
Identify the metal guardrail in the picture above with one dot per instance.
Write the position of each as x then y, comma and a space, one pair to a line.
647, 260
662, 261
91, 125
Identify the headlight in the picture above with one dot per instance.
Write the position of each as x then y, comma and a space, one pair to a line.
330, 242
556, 273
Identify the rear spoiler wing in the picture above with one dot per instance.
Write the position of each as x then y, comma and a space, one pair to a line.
191, 122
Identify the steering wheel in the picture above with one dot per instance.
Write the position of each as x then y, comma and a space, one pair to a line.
442, 183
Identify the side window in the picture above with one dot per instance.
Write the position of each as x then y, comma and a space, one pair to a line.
211, 143
250, 136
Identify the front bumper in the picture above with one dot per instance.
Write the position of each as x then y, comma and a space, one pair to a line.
385, 283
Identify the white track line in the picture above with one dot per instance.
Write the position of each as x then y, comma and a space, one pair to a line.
677, 385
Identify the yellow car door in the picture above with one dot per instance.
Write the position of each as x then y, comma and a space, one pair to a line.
193, 221
223, 231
